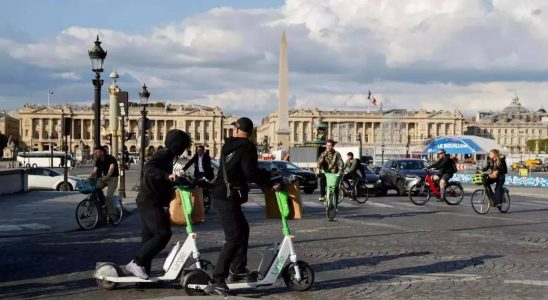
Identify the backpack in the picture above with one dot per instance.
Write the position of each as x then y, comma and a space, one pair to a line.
454, 165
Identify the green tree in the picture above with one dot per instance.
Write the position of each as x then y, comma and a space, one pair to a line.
3, 144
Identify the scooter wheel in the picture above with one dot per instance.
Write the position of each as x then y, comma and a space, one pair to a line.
199, 277
307, 276
106, 270
206, 265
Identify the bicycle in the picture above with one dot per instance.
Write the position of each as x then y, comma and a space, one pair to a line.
357, 190
331, 202
480, 204
93, 208
421, 192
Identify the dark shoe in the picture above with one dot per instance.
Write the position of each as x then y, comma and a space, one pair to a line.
218, 288
245, 276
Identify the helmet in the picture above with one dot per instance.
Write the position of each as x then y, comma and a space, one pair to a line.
441, 151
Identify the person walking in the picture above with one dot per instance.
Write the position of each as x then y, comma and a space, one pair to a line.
155, 193
239, 165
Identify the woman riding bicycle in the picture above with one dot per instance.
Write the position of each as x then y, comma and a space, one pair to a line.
497, 165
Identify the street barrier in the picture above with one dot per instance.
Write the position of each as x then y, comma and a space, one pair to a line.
13, 181
528, 181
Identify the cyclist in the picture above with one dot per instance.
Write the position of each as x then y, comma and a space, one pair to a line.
351, 168
106, 169
330, 161
497, 165
447, 168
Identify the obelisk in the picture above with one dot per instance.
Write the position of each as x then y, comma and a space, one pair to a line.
282, 132
114, 112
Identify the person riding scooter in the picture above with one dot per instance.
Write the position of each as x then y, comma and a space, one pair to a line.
446, 166
155, 193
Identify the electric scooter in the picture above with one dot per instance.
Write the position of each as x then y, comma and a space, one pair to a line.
182, 258
276, 261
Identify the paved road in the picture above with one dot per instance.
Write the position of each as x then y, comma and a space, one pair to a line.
387, 248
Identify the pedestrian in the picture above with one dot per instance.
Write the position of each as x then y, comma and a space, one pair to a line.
330, 161
239, 165
106, 172
155, 193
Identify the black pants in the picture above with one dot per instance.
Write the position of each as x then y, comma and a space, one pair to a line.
234, 253
155, 232
323, 186
499, 183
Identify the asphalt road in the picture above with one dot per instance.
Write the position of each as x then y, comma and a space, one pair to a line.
387, 248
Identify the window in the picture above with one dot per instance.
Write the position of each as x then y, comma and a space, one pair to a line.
512, 131
388, 164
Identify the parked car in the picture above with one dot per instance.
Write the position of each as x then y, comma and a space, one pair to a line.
393, 173
373, 181
308, 181
50, 179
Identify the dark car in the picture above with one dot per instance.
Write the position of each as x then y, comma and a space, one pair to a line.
373, 181
308, 181
393, 173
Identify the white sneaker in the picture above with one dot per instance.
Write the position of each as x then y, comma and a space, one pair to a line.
322, 199
136, 270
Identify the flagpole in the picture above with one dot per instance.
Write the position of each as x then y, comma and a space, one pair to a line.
49, 92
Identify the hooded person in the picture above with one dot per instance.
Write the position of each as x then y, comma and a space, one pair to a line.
155, 193
239, 165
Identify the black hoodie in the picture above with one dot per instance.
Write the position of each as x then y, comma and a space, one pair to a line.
241, 166
155, 185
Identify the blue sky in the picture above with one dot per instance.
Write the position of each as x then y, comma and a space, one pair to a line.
465, 55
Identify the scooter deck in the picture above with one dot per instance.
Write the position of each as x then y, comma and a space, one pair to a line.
130, 279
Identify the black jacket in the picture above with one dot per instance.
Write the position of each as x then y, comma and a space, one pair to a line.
155, 185
241, 167
206, 164
501, 167
445, 165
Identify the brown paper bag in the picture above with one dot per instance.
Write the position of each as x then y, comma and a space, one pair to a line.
295, 203
176, 214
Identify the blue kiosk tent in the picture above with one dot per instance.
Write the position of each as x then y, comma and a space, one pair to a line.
469, 145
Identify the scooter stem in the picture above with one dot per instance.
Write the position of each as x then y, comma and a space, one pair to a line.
282, 197
187, 207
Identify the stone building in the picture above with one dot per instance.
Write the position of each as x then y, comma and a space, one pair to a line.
41, 125
9, 126
395, 130
512, 127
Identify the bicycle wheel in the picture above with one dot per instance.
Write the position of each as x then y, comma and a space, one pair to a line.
207, 203
419, 194
331, 206
119, 212
453, 193
87, 214
362, 193
505, 202
480, 202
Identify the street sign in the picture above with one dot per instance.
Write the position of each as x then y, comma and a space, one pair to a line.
147, 121
147, 141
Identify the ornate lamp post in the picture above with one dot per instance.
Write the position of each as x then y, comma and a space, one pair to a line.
97, 56
122, 189
143, 95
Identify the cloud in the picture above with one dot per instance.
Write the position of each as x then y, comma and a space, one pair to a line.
438, 54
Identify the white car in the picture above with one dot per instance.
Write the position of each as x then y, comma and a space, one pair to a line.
46, 178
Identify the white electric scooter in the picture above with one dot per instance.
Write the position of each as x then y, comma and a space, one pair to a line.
182, 258
276, 261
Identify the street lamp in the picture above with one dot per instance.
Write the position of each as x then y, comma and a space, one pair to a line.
143, 95
97, 56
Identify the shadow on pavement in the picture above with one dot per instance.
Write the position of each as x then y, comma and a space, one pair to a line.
362, 261
381, 216
45, 290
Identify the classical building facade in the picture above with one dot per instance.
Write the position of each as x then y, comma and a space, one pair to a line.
395, 130
512, 127
41, 126
9, 126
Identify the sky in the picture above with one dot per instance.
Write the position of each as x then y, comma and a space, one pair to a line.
465, 55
